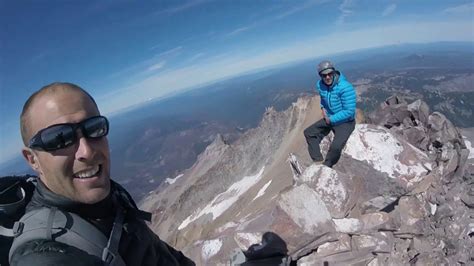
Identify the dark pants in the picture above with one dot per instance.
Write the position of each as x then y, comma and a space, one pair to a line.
317, 131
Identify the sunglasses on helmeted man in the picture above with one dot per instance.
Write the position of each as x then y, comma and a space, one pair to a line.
60, 136
326, 75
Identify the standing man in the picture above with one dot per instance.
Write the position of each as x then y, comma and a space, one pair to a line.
338, 105
66, 144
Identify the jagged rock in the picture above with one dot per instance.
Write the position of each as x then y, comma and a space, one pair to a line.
366, 223
412, 212
385, 260
401, 249
417, 136
394, 100
413, 121
379, 242
331, 248
432, 259
299, 217
468, 196
313, 245
384, 152
215, 150
462, 163
307, 209
413, 198
375, 221
444, 211
420, 112
335, 189
377, 203
425, 184
348, 225
390, 113
352, 258
422, 244
442, 131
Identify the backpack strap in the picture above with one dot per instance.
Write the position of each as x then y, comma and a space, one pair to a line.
6, 232
110, 252
70, 229
124, 199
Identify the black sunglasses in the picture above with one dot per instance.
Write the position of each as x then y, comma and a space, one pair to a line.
60, 136
326, 75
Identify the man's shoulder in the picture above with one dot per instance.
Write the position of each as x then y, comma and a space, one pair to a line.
49, 252
344, 86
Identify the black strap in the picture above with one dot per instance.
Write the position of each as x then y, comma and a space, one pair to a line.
124, 198
49, 225
110, 252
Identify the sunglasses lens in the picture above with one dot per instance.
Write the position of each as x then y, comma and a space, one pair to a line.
96, 127
327, 75
57, 137
63, 135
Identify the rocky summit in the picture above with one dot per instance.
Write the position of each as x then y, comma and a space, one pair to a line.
402, 193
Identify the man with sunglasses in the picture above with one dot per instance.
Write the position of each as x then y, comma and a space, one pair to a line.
66, 145
338, 105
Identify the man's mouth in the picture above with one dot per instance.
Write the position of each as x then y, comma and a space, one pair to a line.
88, 173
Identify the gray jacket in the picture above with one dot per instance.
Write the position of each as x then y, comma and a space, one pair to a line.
138, 244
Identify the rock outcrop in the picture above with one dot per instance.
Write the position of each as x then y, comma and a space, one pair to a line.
400, 194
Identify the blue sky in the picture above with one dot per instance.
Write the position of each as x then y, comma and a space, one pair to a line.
127, 52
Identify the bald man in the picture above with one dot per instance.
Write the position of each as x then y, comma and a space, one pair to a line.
66, 144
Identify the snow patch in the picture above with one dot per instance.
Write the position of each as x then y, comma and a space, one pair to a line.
471, 228
262, 190
469, 147
348, 225
172, 180
433, 208
210, 248
227, 226
382, 150
224, 200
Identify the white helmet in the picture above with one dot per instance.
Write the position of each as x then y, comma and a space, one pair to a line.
325, 67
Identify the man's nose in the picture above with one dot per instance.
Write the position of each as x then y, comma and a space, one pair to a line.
85, 150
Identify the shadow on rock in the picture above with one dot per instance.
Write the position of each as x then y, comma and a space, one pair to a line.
271, 251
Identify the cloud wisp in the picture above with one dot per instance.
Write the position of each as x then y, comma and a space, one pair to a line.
195, 57
233, 64
298, 8
271, 18
240, 30
346, 9
389, 10
41, 56
182, 7
171, 52
157, 61
461, 9
157, 66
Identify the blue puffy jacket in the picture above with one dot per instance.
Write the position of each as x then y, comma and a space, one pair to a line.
339, 100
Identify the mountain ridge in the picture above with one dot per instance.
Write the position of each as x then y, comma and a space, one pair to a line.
234, 193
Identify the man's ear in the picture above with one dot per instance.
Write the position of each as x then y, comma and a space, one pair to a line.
31, 159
